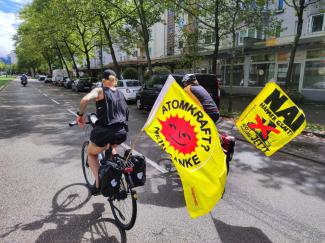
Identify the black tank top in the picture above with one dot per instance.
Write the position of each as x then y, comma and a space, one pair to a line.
112, 109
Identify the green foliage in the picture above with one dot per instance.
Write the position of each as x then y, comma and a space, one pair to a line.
161, 70
130, 73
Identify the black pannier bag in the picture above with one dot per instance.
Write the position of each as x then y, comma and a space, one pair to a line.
110, 178
139, 170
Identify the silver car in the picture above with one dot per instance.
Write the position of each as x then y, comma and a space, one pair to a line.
129, 87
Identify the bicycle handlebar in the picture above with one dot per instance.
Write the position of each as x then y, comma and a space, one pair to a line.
92, 118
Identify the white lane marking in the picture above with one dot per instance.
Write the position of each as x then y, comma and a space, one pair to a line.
45, 95
152, 163
55, 102
72, 112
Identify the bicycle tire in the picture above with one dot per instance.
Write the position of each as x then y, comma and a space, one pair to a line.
88, 175
117, 207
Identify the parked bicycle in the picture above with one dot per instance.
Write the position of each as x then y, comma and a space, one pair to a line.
119, 175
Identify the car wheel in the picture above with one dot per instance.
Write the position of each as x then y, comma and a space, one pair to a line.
139, 104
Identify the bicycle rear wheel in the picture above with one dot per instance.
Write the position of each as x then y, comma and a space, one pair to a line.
124, 206
89, 176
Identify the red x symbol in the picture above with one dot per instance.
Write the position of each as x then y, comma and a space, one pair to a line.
264, 129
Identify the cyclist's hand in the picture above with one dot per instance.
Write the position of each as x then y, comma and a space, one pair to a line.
81, 121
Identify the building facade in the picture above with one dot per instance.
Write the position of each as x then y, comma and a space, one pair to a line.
259, 58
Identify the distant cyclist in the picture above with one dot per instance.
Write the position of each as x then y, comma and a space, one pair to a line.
201, 96
111, 127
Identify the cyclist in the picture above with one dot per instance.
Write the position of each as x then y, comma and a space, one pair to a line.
110, 128
203, 99
200, 96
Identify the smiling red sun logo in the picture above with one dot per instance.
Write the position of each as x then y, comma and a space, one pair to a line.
180, 134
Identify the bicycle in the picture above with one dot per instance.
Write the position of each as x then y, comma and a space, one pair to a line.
123, 203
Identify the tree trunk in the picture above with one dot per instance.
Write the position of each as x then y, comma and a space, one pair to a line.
231, 80
49, 63
217, 40
88, 62
72, 58
110, 45
145, 32
300, 14
64, 62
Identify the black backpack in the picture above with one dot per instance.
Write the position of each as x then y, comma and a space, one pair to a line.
110, 178
139, 170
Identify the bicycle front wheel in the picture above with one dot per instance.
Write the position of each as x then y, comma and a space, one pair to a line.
89, 176
124, 206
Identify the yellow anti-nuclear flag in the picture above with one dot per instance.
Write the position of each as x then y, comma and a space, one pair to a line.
271, 120
191, 139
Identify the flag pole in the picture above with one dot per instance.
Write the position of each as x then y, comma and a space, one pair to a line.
133, 145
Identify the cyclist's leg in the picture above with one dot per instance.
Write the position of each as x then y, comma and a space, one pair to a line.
93, 162
114, 149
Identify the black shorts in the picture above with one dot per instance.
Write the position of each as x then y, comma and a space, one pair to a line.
113, 134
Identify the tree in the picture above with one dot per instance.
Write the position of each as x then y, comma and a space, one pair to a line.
148, 13
299, 6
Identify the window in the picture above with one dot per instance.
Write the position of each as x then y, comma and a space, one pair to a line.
238, 74
278, 30
135, 53
314, 77
252, 33
242, 35
280, 4
282, 74
316, 23
260, 74
119, 84
180, 44
133, 83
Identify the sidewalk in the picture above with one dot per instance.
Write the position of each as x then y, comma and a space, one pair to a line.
307, 145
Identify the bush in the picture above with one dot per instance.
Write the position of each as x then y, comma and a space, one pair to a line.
161, 70
130, 73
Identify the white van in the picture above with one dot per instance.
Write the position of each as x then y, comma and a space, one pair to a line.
58, 74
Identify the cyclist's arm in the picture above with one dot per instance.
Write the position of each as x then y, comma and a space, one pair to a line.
88, 97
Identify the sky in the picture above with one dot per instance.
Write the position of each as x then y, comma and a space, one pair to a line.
9, 22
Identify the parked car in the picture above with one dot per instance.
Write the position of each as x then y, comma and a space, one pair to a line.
147, 96
48, 79
97, 84
41, 77
83, 84
61, 81
67, 83
129, 88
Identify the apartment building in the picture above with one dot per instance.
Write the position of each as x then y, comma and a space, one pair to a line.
261, 59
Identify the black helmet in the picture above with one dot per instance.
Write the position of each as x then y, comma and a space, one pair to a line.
188, 78
107, 73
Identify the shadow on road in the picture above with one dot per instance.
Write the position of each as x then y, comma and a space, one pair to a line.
281, 170
91, 227
163, 190
235, 234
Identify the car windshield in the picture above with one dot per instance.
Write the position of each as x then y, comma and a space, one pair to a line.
133, 83
84, 80
156, 82
207, 80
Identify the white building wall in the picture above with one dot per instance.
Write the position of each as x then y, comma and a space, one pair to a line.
158, 40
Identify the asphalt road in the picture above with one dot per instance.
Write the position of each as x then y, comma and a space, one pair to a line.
43, 197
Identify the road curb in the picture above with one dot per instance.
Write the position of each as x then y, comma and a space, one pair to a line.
288, 153
4, 86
